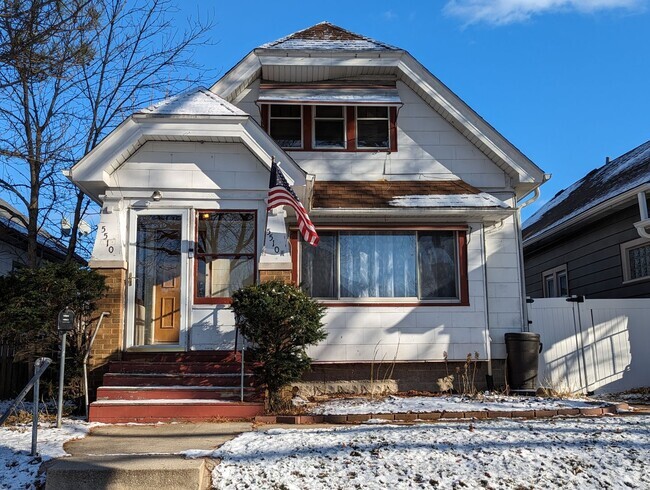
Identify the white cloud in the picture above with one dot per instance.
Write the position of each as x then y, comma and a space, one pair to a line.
500, 12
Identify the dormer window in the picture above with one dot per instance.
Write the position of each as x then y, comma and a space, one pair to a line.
329, 127
373, 127
285, 125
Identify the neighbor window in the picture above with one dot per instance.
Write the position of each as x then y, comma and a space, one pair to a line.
285, 125
636, 259
372, 127
225, 254
329, 126
556, 282
421, 265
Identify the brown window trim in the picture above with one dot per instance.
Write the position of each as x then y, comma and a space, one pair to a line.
350, 114
462, 259
219, 300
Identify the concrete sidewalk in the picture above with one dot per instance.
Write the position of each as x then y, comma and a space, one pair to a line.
141, 456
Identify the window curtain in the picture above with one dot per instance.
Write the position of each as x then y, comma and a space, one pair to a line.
377, 265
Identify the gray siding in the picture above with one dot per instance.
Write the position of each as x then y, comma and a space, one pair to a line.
592, 255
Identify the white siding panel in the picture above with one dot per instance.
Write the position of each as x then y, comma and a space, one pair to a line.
428, 145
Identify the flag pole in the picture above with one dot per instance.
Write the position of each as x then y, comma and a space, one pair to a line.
266, 214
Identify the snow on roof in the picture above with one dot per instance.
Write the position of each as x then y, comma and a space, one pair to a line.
194, 102
327, 37
612, 179
481, 200
345, 95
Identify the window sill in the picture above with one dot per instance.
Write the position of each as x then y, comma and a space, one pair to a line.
637, 280
212, 301
388, 303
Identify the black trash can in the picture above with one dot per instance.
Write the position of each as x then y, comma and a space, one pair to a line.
523, 350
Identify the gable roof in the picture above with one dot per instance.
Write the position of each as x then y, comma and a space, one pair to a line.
194, 102
196, 115
624, 174
326, 52
327, 36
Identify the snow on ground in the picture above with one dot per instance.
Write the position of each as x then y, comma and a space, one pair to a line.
422, 404
605, 452
17, 468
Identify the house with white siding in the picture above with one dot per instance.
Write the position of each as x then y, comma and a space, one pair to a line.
414, 196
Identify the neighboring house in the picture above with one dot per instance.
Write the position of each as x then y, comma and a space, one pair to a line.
414, 197
13, 241
593, 238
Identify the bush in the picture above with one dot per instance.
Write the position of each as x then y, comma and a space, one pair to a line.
31, 301
280, 321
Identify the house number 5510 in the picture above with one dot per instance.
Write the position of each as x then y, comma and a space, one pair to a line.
110, 247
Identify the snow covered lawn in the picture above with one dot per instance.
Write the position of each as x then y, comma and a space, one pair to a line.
604, 452
422, 404
17, 468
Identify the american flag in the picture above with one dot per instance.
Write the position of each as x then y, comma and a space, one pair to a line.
281, 194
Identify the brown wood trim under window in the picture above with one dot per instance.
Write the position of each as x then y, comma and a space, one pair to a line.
265, 115
462, 260
220, 300
393, 128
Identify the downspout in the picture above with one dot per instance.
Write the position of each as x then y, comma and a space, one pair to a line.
520, 253
489, 379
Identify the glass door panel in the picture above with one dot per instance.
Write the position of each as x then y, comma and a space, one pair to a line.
157, 311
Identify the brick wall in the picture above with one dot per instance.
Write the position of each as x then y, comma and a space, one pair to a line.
109, 341
270, 275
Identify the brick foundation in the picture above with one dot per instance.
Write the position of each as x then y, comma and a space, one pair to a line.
355, 378
109, 341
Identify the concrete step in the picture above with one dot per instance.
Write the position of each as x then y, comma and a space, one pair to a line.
167, 410
176, 367
128, 471
174, 379
175, 392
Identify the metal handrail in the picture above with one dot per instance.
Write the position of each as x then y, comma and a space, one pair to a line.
87, 355
40, 365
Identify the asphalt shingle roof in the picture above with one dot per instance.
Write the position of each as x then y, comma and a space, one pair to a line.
327, 36
612, 179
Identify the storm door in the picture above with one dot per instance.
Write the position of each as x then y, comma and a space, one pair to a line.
157, 280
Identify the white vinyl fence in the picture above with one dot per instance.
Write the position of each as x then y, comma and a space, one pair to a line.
599, 345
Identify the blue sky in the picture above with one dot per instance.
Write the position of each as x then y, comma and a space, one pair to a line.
566, 81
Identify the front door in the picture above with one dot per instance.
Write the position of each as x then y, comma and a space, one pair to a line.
156, 279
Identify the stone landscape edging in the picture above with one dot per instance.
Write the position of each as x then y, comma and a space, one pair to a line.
609, 409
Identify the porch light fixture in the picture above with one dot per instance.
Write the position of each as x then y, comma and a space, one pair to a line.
156, 196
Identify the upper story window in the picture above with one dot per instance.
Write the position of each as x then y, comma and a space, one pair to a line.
329, 127
635, 257
360, 128
373, 126
225, 254
556, 282
285, 125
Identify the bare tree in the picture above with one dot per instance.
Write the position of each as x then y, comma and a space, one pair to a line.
88, 66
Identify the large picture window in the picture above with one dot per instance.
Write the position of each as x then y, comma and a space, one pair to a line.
225, 254
398, 265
